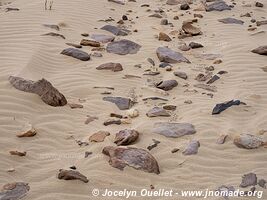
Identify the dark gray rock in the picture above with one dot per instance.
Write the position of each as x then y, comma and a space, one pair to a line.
102, 38
195, 45
262, 50
192, 148
121, 102
182, 75
14, 191
157, 112
115, 30
262, 183
126, 137
76, 53
123, 47
167, 55
248, 180
218, 5
167, 85
185, 7
230, 20
173, 130
223, 106
213, 79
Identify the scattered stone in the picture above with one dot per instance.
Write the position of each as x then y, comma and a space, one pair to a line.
223, 106
132, 113
213, 79
216, 62
209, 68
198, 15
87, 154
55, 34
14, 191
151, 61
226, 191
182, 75
76, 53
188, 102
75, 105
126, 137
91, 43
97, 54
90, 119
185, 7
218, 5
230, 20
85, 34
116, 115
203, 77
73, 167
248, 141
245, 15
169, 107
192, 148
175, 150
164, 22
43, 88
176, 17
206, 87
112, 121
12, 9
173, 130
184, 47
52, 26
195, 45
115, 67
262, 50
71, 175
222, 72
139, 159
262, 183
164, 37
28, 131
167, 85
169, 56
164, 64
260, 23
74, 45
156, 15
117, 1
248, 180
123, 47
153, 145
124, 17
190, 29
99, 136
18, 153
121, 102
259, 4
115, 30
157, 112
154, 98
102, 38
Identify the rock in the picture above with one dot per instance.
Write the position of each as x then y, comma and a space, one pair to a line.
117, 1
198, 15
74, 45
132, 113
52, 26
124, 17
182, 75
245, 15
10, 170
87, 154
219, 61
213, 79
249, 180
190, 29
264, 69
115, 30
91, 43
123, 47
223, 106
157, 112
85, 34
195, 45
139, 159
54, 35
112, 121
28, 131
262, 183
188, 102
102, 38
222, 72
116, 115
18, 153
230, 20
185, 7
192, 148
72, 175
167, 85
169, 107
173, 130
176, 17
176, 2
43, 88
175, 150
248, 141
206, 87
221, 139
164, 37
76, 53
99, 136
226, 191
164, 22
203, 77
11, 9
151, 61
97, 54
164, 65
121, 102
184, 47
167, 55
115, 67
262, 50
153, 145
156, 15
217, 5
260, 23
14, 191
259, 4
75, 105
126, 137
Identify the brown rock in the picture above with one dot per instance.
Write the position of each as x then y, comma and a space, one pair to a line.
75, 105
72, 175
99, 136
262, 50
139, 159
112, 121
28, 131
190, 29
248, 141
169, 107
125, 137
43, 88
164, 37
18, 153
115, 67
157, 112
167, 85
91, 43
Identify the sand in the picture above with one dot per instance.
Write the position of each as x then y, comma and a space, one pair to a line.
25, 53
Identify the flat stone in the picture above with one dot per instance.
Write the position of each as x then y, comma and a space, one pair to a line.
99, 136
76, 53
115, 30
139, 159
248, 180
182, 75
248, 141
18, 153
262, 50
123, 47
262, 183
102, 38
126, 137
206, 87
156, 15
184, 47
223, 106
190, 29
27, 131
218, 5
167, 85
259, 4
52, 26
176, 2
54, 35
164, 37
230, 20
91, 43
173, 130
213, 79
74, 45
169, 107
112, 121
169, 56
115, 67
153, 145
164, 22
14, 191
195, 45
192, 148
121, 102
72, 175
49, 94
157, 112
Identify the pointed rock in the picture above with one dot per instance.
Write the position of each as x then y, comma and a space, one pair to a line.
192, 148
71, 175
164, 37
28, 131
102, 38
182, 75
169, 56
99, 136
262, 50
121, 102
126, 137
167, 85
223, 106
190, 29
218, 5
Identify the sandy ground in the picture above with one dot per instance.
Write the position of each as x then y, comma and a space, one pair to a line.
25, 53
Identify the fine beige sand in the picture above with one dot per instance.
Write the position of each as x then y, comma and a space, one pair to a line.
25, 53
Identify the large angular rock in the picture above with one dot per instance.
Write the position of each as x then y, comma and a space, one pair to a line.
71, 175
248, 141
173, 130
43, 88
223, 106
157, 112
123, 47
115, 67
167, 55
230, 20
76, 53
262, 50
190, 29
102, 38
192, 148
115, 30
121, 102
167, 85
14, 191
125, 137
218, 5
139, 159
